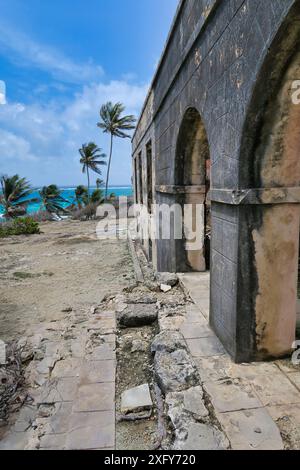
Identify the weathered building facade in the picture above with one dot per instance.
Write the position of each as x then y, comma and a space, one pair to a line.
219, 129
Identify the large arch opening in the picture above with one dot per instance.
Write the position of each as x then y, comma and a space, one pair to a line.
269, 227
192, 183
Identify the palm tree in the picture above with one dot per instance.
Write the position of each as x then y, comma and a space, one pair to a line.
99, 183
52, 199
91, 159
113, 123
81, 193
14, 195
97, 196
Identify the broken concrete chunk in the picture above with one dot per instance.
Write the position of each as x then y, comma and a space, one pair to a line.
168, 279
136, 400
137, 315
174, 371
164, 288
168, 341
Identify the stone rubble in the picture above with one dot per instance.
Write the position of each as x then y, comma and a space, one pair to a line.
135, 315
136, 400
168, 279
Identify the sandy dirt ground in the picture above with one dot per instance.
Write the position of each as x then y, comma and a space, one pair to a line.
64, 267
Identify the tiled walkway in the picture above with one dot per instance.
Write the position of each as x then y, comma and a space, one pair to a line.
74, 408
253, 402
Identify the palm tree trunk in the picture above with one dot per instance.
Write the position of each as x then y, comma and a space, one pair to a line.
109, 162
88, 177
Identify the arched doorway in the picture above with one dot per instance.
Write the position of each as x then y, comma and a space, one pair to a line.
192, 183
270, 170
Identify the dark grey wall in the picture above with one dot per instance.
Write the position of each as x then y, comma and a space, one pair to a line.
216, 53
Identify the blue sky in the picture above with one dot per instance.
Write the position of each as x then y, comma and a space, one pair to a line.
60, 60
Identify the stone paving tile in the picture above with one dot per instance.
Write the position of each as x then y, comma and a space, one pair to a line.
203, 305
229, 395
221, 367
294, 377
25, 417
95, 397
58, 423
194, 315
77, 348
91, 431
58, 390
204, 437
102, 353
213, 368
67, 368
53, 442
97, 372
196, 330
251, 430
14, 441
275, 389
205, 347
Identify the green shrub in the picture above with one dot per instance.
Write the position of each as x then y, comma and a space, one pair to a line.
19, 226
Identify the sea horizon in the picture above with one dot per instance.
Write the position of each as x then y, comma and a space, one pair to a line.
68, 193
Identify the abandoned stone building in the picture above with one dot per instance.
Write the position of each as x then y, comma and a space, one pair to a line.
219, 129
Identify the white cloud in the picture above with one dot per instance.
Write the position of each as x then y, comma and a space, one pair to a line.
48, 137
22, 50
40, 141
2, 92
15, 147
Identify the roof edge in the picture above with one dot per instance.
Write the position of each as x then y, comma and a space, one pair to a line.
164, 52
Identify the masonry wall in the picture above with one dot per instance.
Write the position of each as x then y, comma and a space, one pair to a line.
212, 62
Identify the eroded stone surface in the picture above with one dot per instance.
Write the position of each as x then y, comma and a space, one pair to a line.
174, 371
168, 341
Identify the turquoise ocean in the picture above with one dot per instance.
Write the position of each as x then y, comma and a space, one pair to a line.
68, 193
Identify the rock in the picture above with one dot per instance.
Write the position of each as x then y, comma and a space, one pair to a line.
186, 407
136, 400
67, 310
204, 437
168, 341
174, 371
140, 298
137, 315
169, 279
164, 288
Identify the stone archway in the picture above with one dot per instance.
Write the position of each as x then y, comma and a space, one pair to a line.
192, 184
270, 217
